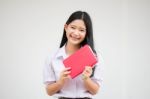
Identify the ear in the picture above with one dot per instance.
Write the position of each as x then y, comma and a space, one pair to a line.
65, 27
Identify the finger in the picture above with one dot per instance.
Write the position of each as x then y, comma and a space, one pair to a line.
67, 72
68, 76
67, 69
88, 69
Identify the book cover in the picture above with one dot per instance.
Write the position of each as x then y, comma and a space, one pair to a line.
78, 60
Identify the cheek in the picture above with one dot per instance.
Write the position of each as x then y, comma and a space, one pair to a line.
67, 32
67, 35
83, 35
70, 30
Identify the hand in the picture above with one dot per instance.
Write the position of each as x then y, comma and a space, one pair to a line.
87, 72
64, 75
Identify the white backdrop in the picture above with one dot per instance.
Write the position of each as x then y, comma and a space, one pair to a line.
31, 28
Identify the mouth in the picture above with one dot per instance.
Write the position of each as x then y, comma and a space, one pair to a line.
74, 38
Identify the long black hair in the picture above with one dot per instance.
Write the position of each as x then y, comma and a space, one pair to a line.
89, 29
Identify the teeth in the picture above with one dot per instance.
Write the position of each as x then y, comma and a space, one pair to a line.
74, 38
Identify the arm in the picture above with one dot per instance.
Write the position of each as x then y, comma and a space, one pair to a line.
90, 85
56, 86
53, 88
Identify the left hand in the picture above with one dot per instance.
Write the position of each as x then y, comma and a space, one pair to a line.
87, 72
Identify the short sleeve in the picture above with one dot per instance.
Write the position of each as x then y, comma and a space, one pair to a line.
48, 72
99, 69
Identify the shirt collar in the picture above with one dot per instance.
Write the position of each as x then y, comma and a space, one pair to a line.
61, 53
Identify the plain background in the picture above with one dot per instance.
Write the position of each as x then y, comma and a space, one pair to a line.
29, 29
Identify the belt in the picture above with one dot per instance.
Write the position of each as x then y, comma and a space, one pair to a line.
74, 98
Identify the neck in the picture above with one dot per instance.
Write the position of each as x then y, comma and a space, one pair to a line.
70, 49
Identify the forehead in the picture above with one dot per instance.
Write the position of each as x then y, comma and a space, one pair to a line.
78, 23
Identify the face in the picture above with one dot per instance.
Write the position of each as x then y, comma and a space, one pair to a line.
75, 32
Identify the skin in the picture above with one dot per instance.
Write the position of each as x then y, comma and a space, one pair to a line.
75, 32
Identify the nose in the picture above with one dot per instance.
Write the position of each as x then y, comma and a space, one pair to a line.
76, 32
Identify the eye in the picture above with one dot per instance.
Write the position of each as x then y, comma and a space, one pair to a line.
73, 27
82, 30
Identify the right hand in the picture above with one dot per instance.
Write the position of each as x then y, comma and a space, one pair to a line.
64, 75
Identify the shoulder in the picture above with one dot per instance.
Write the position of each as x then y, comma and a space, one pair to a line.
51, 54
99, 54
100, 57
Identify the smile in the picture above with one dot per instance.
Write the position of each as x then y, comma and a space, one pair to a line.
75, 38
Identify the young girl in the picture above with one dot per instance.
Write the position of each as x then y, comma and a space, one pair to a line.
77, 32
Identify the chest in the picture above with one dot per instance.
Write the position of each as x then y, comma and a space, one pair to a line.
58, 67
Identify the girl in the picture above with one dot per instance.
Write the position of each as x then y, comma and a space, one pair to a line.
77, 32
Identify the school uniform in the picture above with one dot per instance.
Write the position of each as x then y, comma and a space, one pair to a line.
73, 88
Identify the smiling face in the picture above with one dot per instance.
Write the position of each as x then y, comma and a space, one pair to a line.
75, 32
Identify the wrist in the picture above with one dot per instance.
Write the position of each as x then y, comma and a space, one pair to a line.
84, 77
60, 83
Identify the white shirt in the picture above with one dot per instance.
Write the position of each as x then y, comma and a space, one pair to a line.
73, 88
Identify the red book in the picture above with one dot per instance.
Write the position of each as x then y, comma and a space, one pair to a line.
81, 58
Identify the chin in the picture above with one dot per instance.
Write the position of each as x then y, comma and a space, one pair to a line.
75, 43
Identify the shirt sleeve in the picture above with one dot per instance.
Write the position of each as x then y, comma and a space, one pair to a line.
99, 69
48, 72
